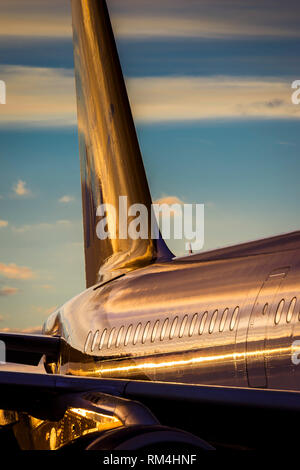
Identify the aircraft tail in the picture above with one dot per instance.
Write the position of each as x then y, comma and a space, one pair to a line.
111, 162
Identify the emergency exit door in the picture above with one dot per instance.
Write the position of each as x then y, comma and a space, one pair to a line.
257, 328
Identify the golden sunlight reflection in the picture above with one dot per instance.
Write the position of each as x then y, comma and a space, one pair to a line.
194, 360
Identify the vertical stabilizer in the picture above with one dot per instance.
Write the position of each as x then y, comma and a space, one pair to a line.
111, 162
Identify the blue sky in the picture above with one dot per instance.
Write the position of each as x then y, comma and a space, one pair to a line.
210, 86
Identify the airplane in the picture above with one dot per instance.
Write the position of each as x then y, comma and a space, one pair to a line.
194, 352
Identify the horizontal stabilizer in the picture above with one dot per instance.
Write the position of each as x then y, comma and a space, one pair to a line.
29, 349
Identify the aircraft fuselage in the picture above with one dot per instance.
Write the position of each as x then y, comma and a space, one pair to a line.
225, 321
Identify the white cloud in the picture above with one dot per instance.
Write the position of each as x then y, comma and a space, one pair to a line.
12, 271
289, 144
168, 200
3, 223
20, 188
159, 99
38, 97
66, 199
202, 26
46, 97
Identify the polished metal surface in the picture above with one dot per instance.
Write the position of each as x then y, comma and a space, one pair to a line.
111, 163
250, 349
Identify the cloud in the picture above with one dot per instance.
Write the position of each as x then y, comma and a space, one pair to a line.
41, 226
46, 97
66, 199
6, 291
63, 222
142, 27
223, 19
36, 26
159, 99
209, 19
20, 188
35, 18
12, 271
170, 200
31, 330
1, 318
289, 144
38, 97
3, 223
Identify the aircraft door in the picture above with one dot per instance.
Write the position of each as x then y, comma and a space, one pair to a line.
257, 328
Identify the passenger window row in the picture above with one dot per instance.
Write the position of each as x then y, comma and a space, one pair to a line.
176, 328
280, 308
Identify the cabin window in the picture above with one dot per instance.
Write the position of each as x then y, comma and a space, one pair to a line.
193, 324
145, 334
223, 320
127, 337
213, 321
291, 309
279, 312
265, 309
183, 325
103, 336
234, 318
202, 323
94, 340
119, 337
164, 329
111, 337
173, 328
87, 341
154, 331
137, 332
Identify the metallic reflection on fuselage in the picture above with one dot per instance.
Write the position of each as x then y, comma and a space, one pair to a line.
256, 350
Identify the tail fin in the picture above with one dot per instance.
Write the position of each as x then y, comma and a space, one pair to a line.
111, 162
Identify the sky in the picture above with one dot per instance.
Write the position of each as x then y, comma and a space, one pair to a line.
209, 82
